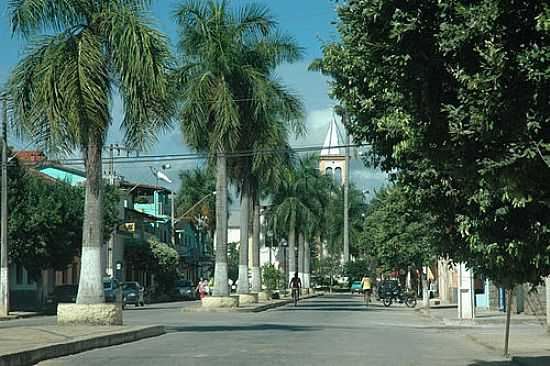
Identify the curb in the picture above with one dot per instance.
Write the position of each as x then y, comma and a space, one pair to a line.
34, 355
21, 316
250, 309
265, 307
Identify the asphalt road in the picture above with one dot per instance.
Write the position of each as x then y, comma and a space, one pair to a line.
331, 330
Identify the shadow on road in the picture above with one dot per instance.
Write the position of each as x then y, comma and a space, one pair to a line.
254, 327
535, 361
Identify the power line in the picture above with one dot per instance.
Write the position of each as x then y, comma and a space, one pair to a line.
203, 156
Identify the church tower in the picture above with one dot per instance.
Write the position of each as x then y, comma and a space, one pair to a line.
333, 158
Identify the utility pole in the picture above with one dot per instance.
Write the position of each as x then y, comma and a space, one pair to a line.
173, 219
346, 192
4, 269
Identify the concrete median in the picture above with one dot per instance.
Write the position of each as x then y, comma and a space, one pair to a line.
35, 354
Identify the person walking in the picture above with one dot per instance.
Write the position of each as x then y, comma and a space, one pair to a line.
366, 285
201, 289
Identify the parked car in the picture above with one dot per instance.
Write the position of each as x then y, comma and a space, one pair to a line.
356, 287
132, 293
61, 294
185, 290
110, 287
385, 286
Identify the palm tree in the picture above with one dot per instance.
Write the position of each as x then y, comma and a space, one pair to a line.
61, 92
225, 85
197, 187
296, 203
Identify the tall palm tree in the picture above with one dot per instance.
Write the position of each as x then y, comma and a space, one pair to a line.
225, 85
61, 92
296, 204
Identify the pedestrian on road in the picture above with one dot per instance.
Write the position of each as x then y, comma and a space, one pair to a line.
201, 289
366, 285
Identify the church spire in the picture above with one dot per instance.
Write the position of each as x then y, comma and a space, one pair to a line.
330, 147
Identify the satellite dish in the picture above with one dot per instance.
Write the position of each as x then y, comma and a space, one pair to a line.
164, 177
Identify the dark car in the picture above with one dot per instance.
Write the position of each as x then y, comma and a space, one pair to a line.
384, 287
111, 288
61, 294
132, 293
185, 290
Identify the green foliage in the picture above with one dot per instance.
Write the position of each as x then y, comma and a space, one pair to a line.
272, 277
400, 237
195, 186
356, 270
45, 220
232, 261
453, 97
153, 256
60, 92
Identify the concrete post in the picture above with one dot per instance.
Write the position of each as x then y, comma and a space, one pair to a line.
466, 307
547, 290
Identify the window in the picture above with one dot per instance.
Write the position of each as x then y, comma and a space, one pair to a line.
328, 171
338, 175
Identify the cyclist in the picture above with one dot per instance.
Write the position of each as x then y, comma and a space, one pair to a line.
366, 285
295, 284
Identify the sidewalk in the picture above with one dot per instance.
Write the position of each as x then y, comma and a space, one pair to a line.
529, 342
20, 315
449, 316
30, 345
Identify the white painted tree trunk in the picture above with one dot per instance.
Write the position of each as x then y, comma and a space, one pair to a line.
256, 273
221, 287
301, 257
292, 246
307, 265
90, 287
242, 283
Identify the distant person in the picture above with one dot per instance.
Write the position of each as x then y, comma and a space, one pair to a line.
201, 289
366, 285
295, 284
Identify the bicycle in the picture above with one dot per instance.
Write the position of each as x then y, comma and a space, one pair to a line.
408, 298
295, 296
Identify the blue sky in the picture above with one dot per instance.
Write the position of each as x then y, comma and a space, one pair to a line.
308, 21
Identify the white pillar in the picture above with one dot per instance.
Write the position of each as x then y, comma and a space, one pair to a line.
466, 307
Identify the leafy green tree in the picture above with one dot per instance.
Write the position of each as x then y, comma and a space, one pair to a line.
273, 277
60, 93
454, 99
400, 237
155, 257
356, 270
45, 221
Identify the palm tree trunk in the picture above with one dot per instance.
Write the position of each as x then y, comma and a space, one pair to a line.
301, 256
90, 287
256, 273
242, 284
292, 246
307, 265
221, 287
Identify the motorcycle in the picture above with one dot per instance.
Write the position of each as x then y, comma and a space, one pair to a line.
407, 297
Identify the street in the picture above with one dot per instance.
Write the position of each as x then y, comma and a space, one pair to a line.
331, 330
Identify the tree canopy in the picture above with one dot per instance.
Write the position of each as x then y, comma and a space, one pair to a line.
454, 98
